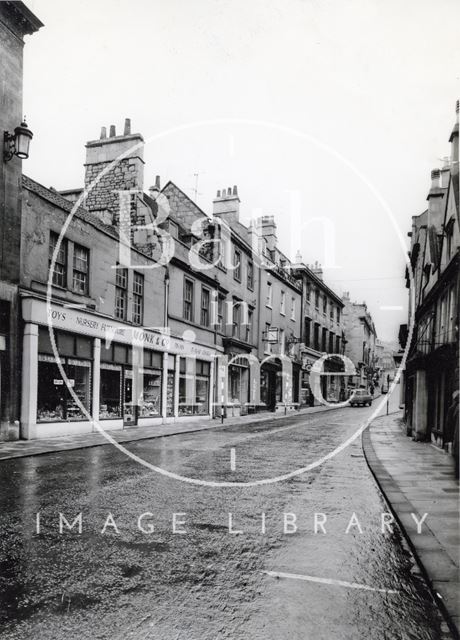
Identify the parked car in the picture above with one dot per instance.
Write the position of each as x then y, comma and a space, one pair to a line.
360, 397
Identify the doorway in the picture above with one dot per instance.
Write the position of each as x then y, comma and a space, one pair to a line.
129, 410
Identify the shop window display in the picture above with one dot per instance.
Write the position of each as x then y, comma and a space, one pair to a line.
193, 387
151, 401
55, 403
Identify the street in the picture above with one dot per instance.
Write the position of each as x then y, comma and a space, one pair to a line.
218, 578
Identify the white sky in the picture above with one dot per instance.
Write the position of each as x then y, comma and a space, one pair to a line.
374, 81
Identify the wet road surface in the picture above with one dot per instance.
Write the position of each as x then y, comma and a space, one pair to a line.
251, 581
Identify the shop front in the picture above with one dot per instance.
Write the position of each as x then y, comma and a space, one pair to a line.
306, 393
107, 373
276, 384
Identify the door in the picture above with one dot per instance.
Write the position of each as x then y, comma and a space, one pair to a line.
129, 410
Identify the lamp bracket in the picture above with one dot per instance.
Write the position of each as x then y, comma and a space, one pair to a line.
8, 145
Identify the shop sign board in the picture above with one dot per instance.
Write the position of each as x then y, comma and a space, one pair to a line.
82, 322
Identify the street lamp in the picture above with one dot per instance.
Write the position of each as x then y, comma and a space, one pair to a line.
17, 143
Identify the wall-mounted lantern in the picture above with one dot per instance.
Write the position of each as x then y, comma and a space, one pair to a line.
17, 143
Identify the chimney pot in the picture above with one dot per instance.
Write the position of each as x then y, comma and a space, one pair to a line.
435, 177
224, 193
235, 190
112, 131
127, 131
103, 133
229, 191
218, 193
157, 182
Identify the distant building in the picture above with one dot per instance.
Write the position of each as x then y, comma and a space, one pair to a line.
322, 333
432, 375
361, 338
385, 364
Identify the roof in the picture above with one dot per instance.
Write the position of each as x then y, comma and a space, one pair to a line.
25, 21
239, 230
58, 200
319, 282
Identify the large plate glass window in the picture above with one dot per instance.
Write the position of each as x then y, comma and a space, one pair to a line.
54, 400
194, 387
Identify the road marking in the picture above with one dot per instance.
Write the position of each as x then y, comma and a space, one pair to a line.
340, 583
232, 459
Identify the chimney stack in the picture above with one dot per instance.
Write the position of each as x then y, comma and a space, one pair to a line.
126, 174
435, 200
226, 205
317, 270
435, 176
155, 188
445, 172
267, 226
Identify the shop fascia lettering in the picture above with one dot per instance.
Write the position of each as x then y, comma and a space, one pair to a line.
39, 312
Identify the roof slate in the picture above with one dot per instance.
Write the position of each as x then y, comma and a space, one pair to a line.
66, 205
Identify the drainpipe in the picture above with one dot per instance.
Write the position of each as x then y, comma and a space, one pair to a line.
166, 293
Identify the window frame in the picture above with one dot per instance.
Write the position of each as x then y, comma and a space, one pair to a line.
138, 299
191, 302
237, 267
317, 296
236, 318
79, 271
248, 331
250, 275
121, 291
220, 313
283, 303
269, 298
204, 310
64, 247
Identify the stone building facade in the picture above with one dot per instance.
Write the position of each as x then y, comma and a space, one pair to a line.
321, 333
16, 21
360, 344
431, 376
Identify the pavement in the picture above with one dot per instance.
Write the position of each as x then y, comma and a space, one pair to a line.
23, 448
418, 478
